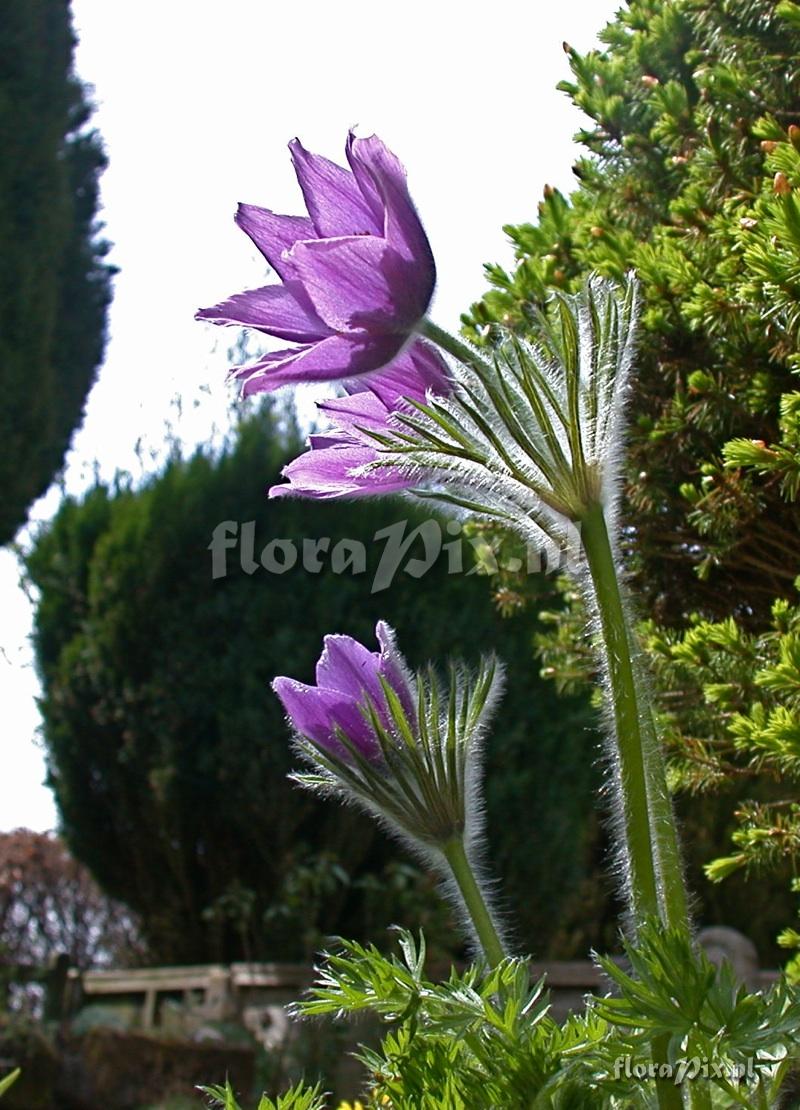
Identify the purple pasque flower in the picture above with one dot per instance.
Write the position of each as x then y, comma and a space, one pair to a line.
349, 685
357, 273
405, 748
334, 465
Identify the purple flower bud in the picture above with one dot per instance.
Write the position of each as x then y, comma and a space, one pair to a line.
357, 272
349, 683
407, 751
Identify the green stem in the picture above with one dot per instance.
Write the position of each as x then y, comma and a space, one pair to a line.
700, 1095
474, 901
644, 783
453, 346
638, 742
668, 1093
625, 701
675, 907
651, 839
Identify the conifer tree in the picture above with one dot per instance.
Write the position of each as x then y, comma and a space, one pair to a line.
54, 285
691, 177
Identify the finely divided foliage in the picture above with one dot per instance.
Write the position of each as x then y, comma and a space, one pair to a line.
300, 1097
532, 436
485, 1042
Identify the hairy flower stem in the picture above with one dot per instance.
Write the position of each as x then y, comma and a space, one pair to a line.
643, 888
474, 901
651, 840
674, 904
655, 875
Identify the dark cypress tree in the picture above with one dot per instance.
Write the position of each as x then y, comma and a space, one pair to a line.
54, 285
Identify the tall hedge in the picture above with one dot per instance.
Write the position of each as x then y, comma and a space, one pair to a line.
54, 285
168, 752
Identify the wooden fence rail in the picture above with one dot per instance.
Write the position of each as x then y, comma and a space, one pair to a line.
220, 992
223, 992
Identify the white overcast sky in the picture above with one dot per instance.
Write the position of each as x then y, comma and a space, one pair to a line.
196, 102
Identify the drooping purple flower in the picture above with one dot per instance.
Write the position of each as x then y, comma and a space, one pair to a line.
357, 273
333, 466
348, 682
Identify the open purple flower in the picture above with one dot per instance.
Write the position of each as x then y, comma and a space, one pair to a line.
333, 467
357, 272
349, 684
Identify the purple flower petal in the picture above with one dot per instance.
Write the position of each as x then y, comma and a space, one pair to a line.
316, 714
349, 668
349, 679
358, 282
357, 152
331, 473
332, 197
273, 234
418, 369
334, 467
401, 225
334, 439
359, 411
337, 356
271, 309
387, 639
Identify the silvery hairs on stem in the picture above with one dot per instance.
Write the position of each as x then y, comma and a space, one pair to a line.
532, 434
